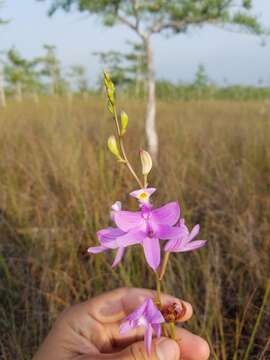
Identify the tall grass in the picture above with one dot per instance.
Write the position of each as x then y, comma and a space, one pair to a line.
57, 182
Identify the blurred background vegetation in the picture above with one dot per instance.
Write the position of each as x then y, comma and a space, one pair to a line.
58, 181
44, 75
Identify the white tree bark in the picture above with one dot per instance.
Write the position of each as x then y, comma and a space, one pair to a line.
150, 121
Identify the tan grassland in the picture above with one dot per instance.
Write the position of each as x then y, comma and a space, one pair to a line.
58, 181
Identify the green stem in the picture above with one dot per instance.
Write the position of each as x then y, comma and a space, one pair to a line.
164, 330
164, 265
158, 285
128, 163
122, 147
172, 330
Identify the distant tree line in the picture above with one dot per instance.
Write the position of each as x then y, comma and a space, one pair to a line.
203, 88
45, 76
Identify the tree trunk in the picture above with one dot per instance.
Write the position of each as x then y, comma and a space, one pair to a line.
150, 121
137, 78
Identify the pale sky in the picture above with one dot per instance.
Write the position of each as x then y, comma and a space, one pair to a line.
238, 58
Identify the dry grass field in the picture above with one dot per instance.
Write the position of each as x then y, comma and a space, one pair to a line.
58, 181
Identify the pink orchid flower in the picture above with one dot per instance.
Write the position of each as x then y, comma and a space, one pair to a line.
148, 316
107, 238
147, 227
184, 242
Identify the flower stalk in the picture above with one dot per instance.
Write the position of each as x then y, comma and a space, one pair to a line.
164, 265
145, 227
172, 330
158, 289
119, 130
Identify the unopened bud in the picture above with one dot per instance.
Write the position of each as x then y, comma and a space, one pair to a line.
113, 147
110, 88
110, 94
110, 107
146, 162
107, 79
124, 122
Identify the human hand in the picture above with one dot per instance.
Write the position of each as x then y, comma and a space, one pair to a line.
90, 331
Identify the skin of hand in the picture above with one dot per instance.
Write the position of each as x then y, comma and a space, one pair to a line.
91, 331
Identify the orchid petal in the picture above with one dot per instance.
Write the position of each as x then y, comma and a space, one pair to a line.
166, 232
194, 232
127, 220
131, 238
157, 329
97, 249
148, 338
184, 229
117, 206
109, 233
154, 316
107, 237
167, 214
150, 309
135, 315
193, 245
171, 245
124, 327
151, 248
136, 193
119, 255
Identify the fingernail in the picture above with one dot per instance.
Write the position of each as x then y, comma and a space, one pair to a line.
168, 349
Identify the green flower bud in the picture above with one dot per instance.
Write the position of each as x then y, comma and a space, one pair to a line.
107, 79
110, 88
110, 107
113, 147
124, 122
110, 94
146, 162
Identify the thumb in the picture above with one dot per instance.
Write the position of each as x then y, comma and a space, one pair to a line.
162, 349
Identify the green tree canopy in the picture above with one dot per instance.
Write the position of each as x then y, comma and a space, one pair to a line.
20, 74
153, 16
